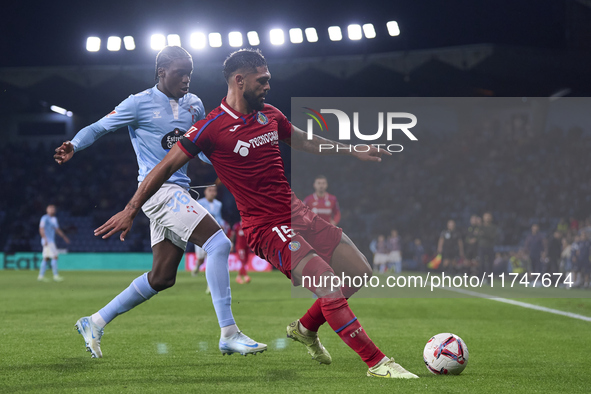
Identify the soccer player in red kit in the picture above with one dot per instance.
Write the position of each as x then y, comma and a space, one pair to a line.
323, 203
241, 139
241, 248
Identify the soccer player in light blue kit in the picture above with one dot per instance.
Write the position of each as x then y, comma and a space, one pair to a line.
48, 227
157, 118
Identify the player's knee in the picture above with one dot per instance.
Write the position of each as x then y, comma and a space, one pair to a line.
218, 244
160, 283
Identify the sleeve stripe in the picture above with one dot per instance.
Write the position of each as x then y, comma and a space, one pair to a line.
205, 125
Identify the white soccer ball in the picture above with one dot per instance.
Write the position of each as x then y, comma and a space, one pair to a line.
446, 354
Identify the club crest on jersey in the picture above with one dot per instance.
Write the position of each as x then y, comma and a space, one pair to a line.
262, 118
171, 138
294, 245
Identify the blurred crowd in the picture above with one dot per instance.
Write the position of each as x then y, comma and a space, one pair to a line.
503, 168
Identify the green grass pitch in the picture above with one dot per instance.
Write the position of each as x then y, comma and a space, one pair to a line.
169, 344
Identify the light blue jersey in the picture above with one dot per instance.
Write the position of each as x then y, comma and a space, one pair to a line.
214, 208
49, 224
155, 122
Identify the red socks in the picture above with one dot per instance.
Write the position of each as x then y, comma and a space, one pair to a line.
342, 320
335, 309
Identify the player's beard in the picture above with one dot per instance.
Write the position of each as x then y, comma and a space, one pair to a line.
253, 101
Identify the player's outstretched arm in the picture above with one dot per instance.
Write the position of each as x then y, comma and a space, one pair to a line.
299, 140
123, 220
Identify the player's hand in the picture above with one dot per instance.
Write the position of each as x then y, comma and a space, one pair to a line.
119, 222
64, 152
67, 240
373, 154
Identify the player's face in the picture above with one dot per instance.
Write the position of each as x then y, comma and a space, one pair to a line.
176, 77
211, 193
320, 185
451, 225
256, 87
51, 210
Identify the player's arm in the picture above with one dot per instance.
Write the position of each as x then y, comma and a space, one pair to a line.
461, 247
43, 236
440, 245
63, 235
299, 140
123, 220
123, 115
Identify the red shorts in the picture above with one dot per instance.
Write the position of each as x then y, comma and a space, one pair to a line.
285, 242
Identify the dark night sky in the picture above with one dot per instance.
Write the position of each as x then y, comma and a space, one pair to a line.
54, 33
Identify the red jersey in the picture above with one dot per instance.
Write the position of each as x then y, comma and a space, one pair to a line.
244, 151
326, 207
240, 240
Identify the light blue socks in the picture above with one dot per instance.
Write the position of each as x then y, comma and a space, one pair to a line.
218, 276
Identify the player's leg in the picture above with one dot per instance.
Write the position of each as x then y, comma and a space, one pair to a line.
346, 259
209, 236
317, 276
44, 262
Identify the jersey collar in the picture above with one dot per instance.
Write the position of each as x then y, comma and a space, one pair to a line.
162, 96
233, 113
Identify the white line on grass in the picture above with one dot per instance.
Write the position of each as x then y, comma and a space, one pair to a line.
519, 303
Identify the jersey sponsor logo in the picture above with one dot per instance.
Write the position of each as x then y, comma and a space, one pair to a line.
294, 246
234, 128
156, 114
271, 137
262, 118
171, 138
242, 148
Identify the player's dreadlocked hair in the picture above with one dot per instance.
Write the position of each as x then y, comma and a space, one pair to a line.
168, 54
243, 59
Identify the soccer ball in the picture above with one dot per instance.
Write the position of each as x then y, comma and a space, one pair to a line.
446, 354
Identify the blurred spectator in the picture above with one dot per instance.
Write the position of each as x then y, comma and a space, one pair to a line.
418, 253
535, 245
488, 236
471, 244
381, 254
450, 246
395, 252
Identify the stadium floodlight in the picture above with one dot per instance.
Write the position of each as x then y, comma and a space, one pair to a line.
296, 36
393, 28
129, 43
235, 39
277, 37
215, 40
198, 40
369, 30
59, 110
114, 43
354, 32
93, 44
334, 33
157, 41
253, 38
69, 114
174, 40
311, 34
